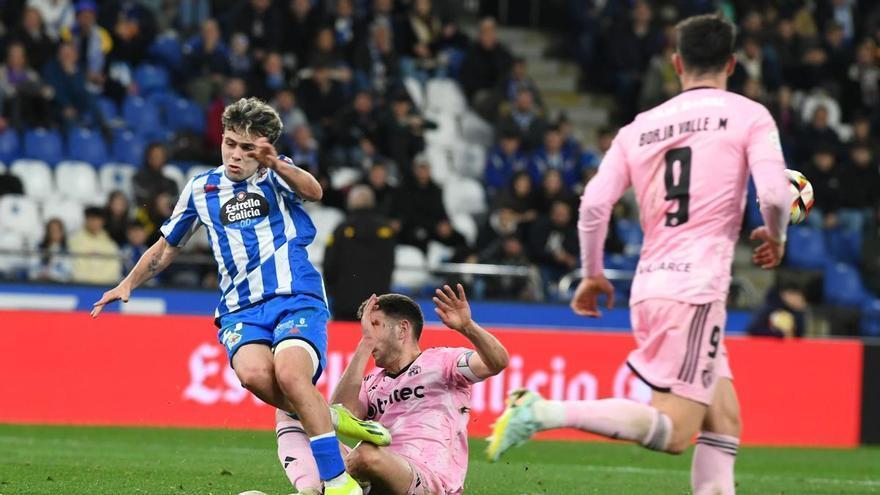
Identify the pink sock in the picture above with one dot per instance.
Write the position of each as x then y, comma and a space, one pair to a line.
295, 454
614, 418
712, 468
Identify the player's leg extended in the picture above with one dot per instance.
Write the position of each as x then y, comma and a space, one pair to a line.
717, 444
388, 473
295, 455
294, 369
254, 366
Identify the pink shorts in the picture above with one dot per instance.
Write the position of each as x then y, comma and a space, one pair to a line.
680, 347
424, 482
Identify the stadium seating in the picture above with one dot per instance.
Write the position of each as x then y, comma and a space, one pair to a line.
416, 92
151, 79
630, 232
475, 130
117, 177
470, 161
167, 52
36, 177
465, 225
43, 144
805, 248
79, 181
344, 177
174, 173
843, 286
128, 147
442, 160
69, 211
184, 115
467, 196
142, 116
86, 145
410, 269
870, 324
444, 96
844, 245
20, 214
11, 264
437, 254
10, 146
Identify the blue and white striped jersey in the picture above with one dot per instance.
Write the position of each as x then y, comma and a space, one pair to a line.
258, 231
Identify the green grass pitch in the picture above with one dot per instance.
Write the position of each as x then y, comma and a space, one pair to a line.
88, 460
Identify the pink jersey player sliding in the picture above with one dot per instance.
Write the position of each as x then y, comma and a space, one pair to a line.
688, 161
421, 396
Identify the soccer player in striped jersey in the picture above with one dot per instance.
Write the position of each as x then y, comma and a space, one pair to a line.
273, 311
688, 160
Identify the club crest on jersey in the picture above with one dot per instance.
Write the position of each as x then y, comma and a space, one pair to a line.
244, 210
415, 370
231, 336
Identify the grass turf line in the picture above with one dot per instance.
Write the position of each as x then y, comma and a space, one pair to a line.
96, 460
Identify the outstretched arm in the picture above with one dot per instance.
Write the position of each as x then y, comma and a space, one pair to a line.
455, 312
154, 260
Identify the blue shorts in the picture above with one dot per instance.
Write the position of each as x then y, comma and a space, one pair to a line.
274, 320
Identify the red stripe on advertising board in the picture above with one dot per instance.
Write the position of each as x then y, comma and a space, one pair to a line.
66, 368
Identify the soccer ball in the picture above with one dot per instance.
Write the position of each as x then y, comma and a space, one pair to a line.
802, 195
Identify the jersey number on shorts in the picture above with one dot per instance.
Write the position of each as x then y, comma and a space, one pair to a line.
678, 188
714, 339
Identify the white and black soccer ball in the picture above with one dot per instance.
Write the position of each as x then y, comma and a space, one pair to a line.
801, 196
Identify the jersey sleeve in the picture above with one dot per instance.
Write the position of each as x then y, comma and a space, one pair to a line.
277, 181
767, 166
184, 219
363, 397
456, 366
599, 197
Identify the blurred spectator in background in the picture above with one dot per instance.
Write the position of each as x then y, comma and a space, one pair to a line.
752, 62
519, 79
570, 143
321, 97
860, 183
553, 189
552, 156
348, 31
485, 65
376, 63
383, 191
506, 251
328, 55
419, 206
116, 217
416, 39
25, 98
205, 62
92, 41
782, 315
260, 22
191, 14
150, 181
95, 255
817, 134
553, 245
400, 134
52, 261
862, 85
359, 257
233, 90
291, 114
355, 132
270, 79
153, 215
38, 45
520, 197
526, 118
240, 60
71, 100
134, 245
10, 184
304, 151
301, 19
503, 161
660, 82
824, 175
57, 15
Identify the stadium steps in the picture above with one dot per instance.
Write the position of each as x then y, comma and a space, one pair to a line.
557, 80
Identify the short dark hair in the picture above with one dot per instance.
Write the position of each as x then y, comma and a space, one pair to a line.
399, 307
705, 42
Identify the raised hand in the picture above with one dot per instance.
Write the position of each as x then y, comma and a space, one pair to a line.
264, 152
586, 297
118, 293
453, 309
368, 329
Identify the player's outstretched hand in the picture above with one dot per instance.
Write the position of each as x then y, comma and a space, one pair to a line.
264, 152
368, 330
453, 309
586, 297
118, 293
769, 253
